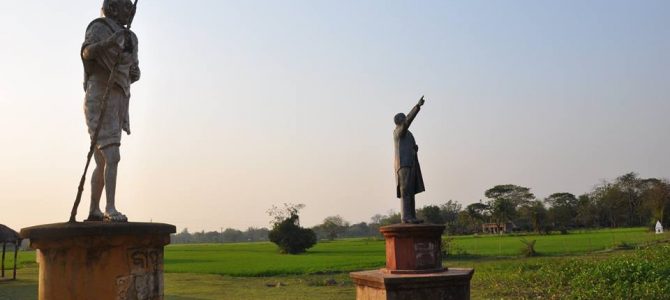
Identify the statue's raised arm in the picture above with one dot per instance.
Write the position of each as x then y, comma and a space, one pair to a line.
405, 121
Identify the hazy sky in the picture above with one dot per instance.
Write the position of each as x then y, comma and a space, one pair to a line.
246, 104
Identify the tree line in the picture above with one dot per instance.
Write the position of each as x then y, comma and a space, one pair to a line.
229, 235
627, 201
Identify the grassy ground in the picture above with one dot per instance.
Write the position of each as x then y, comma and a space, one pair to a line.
262, 259
579, 242
182, 286
257, 271
25, 287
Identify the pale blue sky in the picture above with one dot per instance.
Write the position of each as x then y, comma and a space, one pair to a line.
245, 104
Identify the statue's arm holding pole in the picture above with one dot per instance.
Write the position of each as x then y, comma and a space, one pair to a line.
117, 39
90, 52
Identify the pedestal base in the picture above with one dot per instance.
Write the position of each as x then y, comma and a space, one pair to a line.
451, 284
96, 260
413, 248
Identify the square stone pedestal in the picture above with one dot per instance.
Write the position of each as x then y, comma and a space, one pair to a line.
97, 260
413, 268
413, 248
452, 284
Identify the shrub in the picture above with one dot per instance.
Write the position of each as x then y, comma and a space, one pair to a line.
528, 249
290, 237
623, 245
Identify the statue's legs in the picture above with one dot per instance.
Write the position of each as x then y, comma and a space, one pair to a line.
112, 156
408, 213
97, 184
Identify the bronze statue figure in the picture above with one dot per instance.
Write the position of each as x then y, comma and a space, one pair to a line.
407, 170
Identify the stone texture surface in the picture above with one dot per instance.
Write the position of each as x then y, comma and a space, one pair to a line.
100, 260
413, 248
451, 284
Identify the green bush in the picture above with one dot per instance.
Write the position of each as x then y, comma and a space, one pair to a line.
290, 237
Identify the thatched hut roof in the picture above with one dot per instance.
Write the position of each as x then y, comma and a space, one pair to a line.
7, 235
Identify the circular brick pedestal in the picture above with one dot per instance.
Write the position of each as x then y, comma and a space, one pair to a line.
97, 260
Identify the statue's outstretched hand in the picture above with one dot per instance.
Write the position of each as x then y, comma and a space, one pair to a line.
421, 101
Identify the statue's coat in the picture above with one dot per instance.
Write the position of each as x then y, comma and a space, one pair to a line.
406, 156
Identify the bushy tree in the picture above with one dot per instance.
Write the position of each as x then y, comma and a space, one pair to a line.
535, 215
562, 211
656, 199
587, 212
505, 199
478, 211
466, 224
384, 220
430, 214
332, 227
449, 211
286, 232
359, 229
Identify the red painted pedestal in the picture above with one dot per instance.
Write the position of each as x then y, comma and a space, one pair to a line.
413, 248
413, 268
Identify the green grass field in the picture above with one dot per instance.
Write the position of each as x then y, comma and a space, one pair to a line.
262, 259
556, 244
258, 271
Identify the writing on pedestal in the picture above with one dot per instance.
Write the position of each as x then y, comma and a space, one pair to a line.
145, 280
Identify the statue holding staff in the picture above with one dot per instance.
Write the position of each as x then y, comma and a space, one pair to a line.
109, 54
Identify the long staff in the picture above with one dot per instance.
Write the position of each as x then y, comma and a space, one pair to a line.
94, 139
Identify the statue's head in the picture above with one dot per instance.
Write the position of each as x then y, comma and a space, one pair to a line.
118, 10
399, 118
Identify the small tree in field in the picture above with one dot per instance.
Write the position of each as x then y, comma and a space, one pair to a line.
334, 226
286, 232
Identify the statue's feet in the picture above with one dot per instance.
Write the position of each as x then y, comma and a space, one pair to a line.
95, 216
115, 216
412, 221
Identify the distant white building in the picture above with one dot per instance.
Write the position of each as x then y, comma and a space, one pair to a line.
659, 227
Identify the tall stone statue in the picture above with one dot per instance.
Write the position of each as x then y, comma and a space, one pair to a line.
407, 170
108, 46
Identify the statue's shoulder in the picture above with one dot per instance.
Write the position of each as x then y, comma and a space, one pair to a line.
102, 24
396, 132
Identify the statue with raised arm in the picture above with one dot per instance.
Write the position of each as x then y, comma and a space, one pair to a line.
109, 54
407, 170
